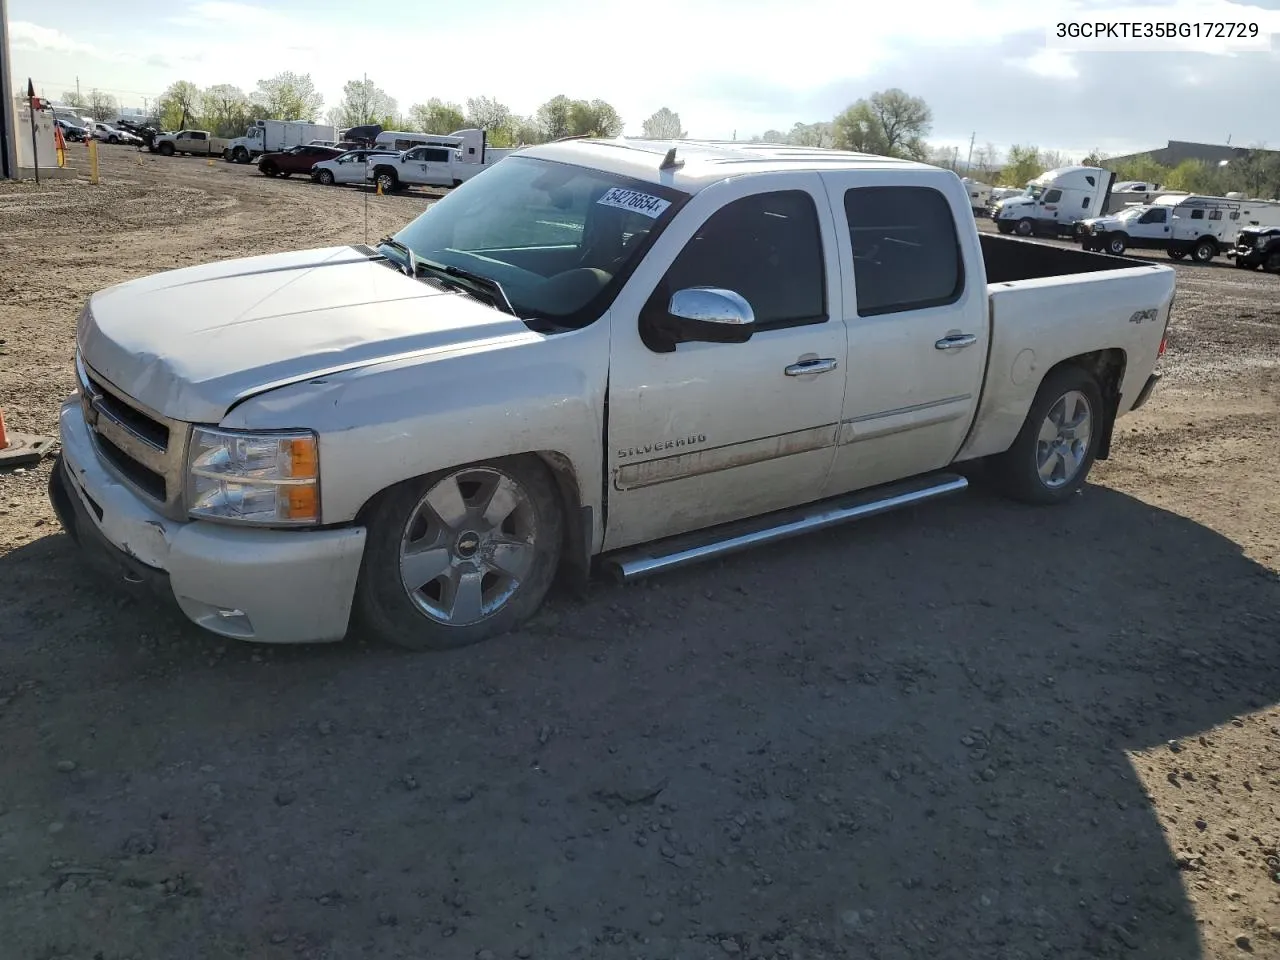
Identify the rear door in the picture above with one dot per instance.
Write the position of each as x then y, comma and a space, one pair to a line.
915, 308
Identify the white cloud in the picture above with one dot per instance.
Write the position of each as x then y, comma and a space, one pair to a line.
24, 35
1053, 64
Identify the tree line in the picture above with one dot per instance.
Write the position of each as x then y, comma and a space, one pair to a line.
227, 110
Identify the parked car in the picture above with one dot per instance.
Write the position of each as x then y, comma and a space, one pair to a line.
193, 142
109, 134
345, 168
294, 160
595, 351
78, 134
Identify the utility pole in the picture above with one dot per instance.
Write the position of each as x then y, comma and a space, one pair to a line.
77, 88
968, 164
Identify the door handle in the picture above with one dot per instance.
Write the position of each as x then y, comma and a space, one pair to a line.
806, 367
956, 341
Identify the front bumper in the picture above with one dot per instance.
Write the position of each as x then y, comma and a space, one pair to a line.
272, 586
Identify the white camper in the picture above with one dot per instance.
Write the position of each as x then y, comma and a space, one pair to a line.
979, 193
1055, 201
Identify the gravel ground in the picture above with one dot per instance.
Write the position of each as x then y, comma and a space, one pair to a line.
973, 730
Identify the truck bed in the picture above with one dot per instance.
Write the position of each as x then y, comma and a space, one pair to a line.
1012, 258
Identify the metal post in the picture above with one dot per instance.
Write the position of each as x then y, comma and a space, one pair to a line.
35, 145
8, 118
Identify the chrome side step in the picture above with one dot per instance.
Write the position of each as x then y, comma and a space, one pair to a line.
675, 552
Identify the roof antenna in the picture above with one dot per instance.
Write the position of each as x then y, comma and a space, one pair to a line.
669, 162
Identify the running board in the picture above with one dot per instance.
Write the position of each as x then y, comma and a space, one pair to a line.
686, 549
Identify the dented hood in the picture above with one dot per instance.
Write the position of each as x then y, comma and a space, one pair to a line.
190, 343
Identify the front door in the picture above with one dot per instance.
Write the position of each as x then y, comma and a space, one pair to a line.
917, 327
713, 432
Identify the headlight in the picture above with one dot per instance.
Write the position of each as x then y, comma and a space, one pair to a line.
268, 479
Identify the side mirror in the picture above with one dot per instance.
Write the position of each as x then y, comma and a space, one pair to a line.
700, 315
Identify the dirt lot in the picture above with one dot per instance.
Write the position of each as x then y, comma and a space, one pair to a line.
973, 731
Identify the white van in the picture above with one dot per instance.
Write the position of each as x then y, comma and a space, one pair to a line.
1180, 224
1055, 201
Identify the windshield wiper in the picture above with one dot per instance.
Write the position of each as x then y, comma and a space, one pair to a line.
410, 268
493, 287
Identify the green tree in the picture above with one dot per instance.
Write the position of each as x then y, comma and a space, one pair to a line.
821, 134
1024, 164
225, 109
888, 123
1095, 158
436, 116
594, 119
289, 96
664, 124
526, 131
1142, 167
553, 117
364, 102
487, 113
179, 106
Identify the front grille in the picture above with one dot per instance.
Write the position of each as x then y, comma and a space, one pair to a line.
142, 448
1244, 242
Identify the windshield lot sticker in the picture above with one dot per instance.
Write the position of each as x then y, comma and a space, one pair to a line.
635, 201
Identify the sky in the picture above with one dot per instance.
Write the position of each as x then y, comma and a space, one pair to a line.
728, 67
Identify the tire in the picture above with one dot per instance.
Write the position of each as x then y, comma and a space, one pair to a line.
325, 178
113, 139
387, 180
1204, 251
165, 149
1117, 243
1032, 470
285, 174
468, 600
1176, 253
1004, 226
268, 169
1273, 263
240, 155
1025, 227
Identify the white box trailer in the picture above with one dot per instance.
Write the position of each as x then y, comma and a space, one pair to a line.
271, 136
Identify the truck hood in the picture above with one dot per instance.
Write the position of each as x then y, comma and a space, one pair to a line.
191, 343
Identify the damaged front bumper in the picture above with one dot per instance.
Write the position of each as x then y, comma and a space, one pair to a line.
272, 586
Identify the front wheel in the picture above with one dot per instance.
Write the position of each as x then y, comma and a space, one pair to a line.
1055, 449
325, 178
1004, 226
387, 181
1025, 228
461, 555
268, 169
1116, 244
166, 149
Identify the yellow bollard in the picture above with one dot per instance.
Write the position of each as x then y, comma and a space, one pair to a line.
93, 161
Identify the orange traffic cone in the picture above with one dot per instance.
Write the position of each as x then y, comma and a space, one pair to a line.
19, 449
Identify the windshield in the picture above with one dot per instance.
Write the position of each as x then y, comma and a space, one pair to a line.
560, 239
1132, 213
1034, 190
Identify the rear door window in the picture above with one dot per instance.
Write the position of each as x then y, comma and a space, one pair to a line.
906, 252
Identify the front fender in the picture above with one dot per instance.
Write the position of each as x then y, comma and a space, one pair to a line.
394, 421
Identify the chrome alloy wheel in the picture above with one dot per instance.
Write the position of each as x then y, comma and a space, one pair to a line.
468, 546
1063, 442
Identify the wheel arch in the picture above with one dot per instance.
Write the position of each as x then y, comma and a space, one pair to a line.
1107, 367
575, 556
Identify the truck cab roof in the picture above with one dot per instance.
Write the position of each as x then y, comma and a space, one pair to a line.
704, 162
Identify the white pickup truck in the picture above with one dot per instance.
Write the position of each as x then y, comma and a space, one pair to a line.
631, 354
428, 166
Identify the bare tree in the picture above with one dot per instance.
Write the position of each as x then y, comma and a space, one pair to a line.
664, 125
102, 106
75, 99
436, 116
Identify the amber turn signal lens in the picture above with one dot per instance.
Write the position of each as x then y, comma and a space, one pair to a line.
302, 502
303, 458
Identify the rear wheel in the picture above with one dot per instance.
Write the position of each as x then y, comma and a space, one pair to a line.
461, 555
1204, 251
1055, 449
